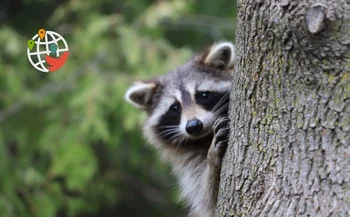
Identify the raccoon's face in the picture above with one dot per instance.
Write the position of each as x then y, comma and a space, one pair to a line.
183, 105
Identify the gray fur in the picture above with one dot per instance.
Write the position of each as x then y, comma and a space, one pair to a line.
196, 162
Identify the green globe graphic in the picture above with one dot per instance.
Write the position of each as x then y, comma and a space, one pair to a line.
43, 47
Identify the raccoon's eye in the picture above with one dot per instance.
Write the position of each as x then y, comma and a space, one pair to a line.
209, 100
205, 95
175, 108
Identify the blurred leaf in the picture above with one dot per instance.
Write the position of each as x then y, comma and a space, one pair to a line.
44, 205
78, 167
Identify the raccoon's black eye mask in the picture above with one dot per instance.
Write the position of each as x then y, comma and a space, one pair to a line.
172, 116
210, 99
168, 123
175, 109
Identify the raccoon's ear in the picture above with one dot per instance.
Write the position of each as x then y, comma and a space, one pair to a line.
220, 55
140, 93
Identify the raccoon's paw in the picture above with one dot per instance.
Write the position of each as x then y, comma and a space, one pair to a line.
219, 144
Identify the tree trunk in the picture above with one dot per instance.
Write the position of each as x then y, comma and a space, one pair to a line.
289, 150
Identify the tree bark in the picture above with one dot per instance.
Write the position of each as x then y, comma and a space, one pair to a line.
289, 149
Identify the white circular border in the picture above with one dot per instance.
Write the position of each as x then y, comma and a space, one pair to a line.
44, 69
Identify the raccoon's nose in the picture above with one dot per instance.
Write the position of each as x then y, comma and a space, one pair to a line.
194, 127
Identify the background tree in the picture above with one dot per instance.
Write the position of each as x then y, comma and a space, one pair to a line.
289, 152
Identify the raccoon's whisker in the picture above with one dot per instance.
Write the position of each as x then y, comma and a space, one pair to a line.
221, 101
223, 104
178, 145
168, 127
174, 137
221, 109
168, 132
218, 104
183, 140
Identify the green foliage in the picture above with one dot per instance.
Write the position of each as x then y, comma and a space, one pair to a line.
69, 144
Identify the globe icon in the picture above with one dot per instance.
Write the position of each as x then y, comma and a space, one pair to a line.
45, 51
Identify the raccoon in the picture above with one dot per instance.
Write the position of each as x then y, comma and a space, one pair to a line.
187, 122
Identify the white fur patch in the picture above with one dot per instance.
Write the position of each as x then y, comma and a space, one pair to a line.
182, 127
177, 94
219, 86
191, 88
192, 173
160, 110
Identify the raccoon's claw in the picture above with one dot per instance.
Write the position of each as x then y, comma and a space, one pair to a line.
220, 123
221, 132
220, 140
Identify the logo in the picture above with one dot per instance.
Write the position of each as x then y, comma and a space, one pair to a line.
47, 51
